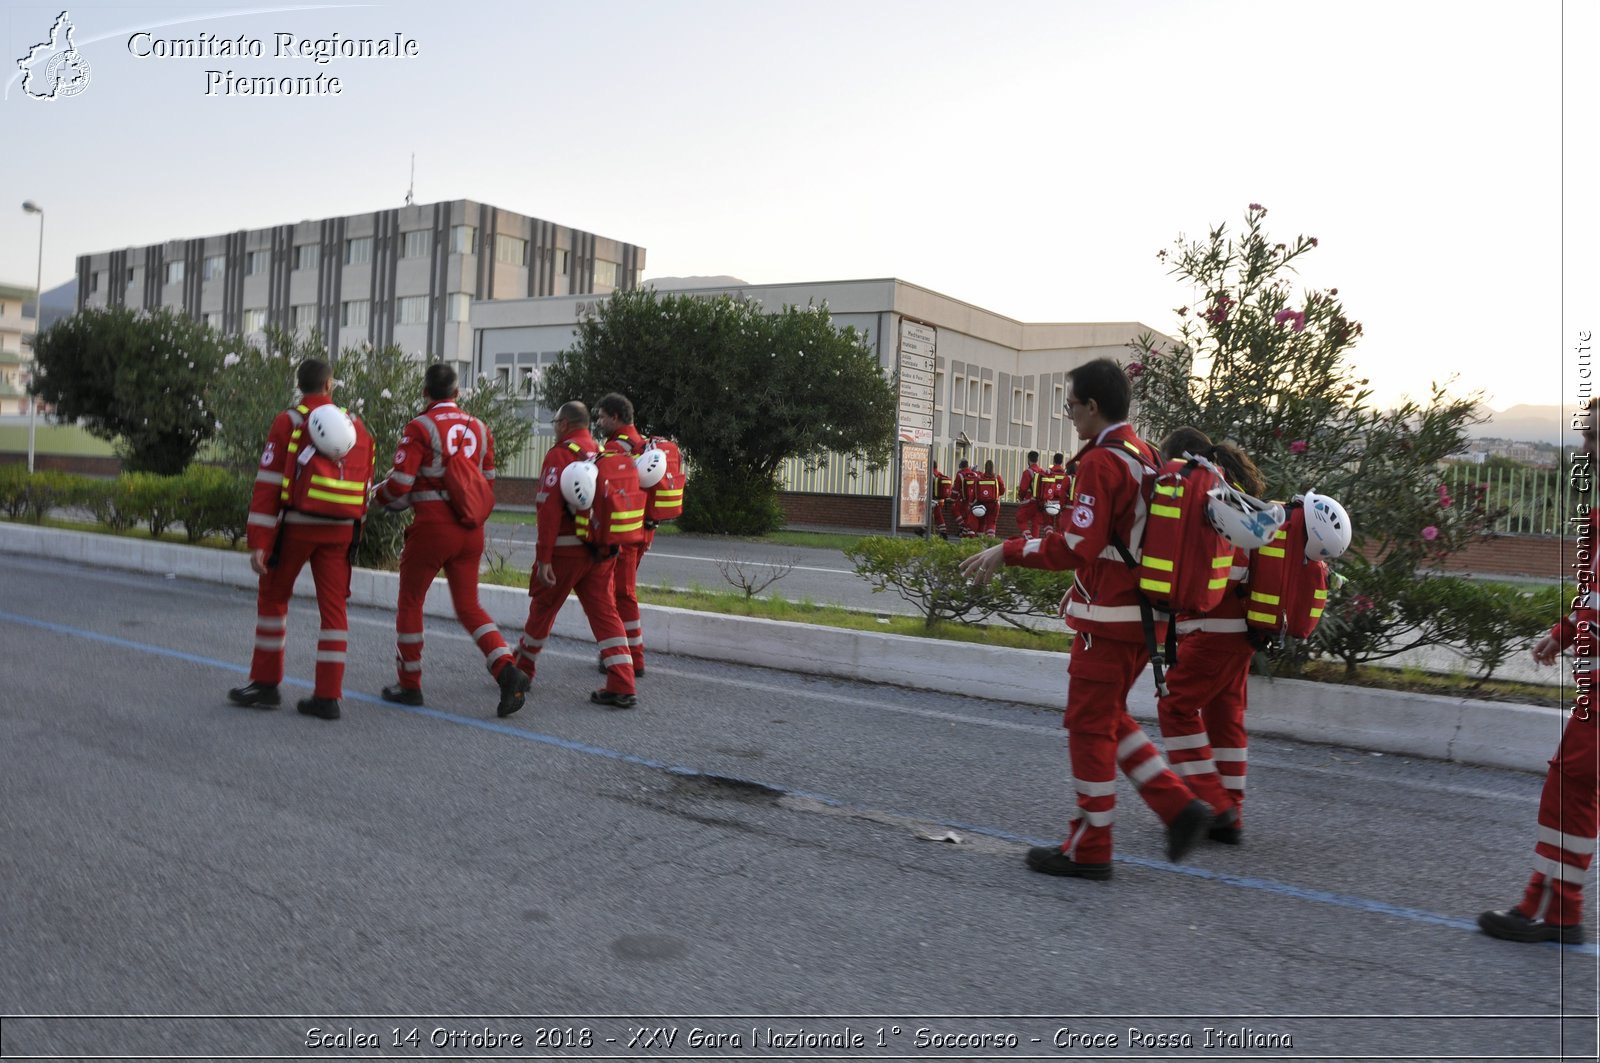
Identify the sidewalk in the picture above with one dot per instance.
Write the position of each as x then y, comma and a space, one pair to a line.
1493, 734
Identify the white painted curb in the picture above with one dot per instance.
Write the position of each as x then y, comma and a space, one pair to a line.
1495, 734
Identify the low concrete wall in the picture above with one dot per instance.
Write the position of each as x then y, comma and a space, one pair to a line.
1521, 737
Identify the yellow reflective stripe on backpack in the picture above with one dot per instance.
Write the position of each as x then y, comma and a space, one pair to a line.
1264, 599
1155, 586
1159, 563
338, 485
1262, 618
336, 499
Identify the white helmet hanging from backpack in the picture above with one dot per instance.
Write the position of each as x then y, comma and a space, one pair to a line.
652, 465
331, 431
1246, 522
1052, 507
1328, 528
980, 510
578, 482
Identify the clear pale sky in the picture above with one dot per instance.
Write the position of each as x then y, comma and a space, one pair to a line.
1029, 158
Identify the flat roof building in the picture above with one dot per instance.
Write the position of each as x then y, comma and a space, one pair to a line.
999, 382
406, 276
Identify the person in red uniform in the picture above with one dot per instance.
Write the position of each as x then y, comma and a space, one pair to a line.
564, 563
1202, 715
614, 417
965, 493
1551, 908
1052, 486
942, 485
282, 541
1108, 645
437, 539
991, 488
1029, 511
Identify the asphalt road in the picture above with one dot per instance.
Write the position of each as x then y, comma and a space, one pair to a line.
747, 849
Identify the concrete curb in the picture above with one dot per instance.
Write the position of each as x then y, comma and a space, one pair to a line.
1494, 734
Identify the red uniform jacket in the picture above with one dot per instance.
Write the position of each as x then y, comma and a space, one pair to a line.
417, 478
261, 526
966, 488
1107, 498
558, 533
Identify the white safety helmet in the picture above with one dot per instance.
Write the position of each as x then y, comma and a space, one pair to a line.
1328, 528
980, 510
578, 483
1246, 522
331, 431
652, 465
1052, 507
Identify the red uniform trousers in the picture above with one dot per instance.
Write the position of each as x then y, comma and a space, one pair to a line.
1568, 812
577, 570
1202, 716
626, 587
1101, 737
991, 519
327, 548
430, 546
1029, 518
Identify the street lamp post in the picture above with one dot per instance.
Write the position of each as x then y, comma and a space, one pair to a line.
38, 319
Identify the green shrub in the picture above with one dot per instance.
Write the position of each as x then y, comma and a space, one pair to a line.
212, 501
927, 574
153, 499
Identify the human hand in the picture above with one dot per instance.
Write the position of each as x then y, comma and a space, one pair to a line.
981, 566
1546, 650
258, 562
546, 573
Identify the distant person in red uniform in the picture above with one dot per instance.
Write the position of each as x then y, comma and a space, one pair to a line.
438, 540
1551, 908
1029, 504
564, 563
1108, 645
614, 418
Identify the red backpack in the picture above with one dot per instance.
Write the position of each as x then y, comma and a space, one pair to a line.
617, 516
987, 490
664, 501
1183, 561
319, 485
1287, 592
469, 493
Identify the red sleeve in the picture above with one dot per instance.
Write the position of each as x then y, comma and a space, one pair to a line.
408, 457
549, 503
261, 526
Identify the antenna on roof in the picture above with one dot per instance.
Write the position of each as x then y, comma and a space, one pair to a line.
412, 187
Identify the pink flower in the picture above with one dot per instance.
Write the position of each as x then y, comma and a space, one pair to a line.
1430, 533
1445, 501
1360, 604
1257, 206
1135, 369
1298, 317
1297, 447
1312, 240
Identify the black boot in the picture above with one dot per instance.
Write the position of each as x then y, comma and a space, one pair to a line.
256, 696
321, 708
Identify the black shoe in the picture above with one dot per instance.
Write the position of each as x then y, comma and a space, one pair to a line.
403, 695
611, 699
1185, 831
1225, 828
322, 708
1050, 860
513, 690
256, 696
638, 670
1511, 925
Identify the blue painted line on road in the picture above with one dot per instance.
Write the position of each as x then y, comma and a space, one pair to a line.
1262, 885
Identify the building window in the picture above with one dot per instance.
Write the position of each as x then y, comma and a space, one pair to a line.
460, 305
1058, 402
130, 276
307, 256
94, 281
174, 272
257, 262
1027, 406
414, 244
355, 313
358, 251
938, 389
605, 274
411, 310
958, 395
510, 250
214, 267
988, 397
530, 381
972, 397
211, 319
1016, 405
304, 317
562, 257
463, 240
502, 376
255, 320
